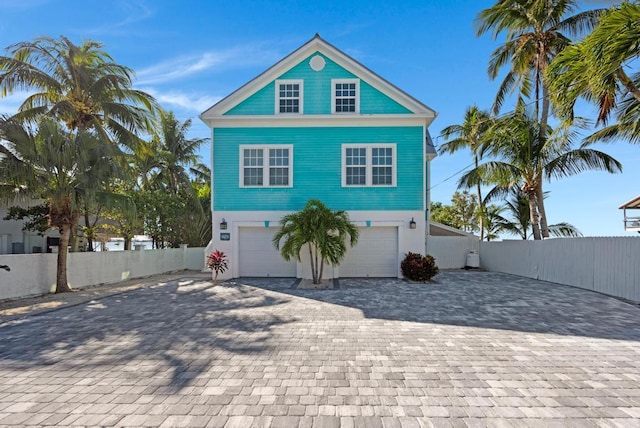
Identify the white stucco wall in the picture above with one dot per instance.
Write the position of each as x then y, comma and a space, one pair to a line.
408, 239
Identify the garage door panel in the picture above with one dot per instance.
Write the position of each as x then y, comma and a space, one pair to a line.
258, 257
375, 254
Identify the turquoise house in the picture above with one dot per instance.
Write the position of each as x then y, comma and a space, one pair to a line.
318, 124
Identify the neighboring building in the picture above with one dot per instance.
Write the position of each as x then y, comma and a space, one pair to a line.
439, 229
632, 222
318, 124
15, 240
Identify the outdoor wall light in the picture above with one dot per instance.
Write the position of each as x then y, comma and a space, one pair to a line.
412, 224
223, 224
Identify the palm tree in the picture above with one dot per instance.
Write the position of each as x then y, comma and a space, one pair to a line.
518, 207
82, 87
164, 169
470, 134
495, 223
534, 35
79, 85
63, 168
321, 230
596, 69
175, 153
526, 159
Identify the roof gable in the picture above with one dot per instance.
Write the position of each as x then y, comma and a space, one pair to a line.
261, 88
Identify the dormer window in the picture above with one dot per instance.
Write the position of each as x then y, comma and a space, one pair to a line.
346, 96
289, 96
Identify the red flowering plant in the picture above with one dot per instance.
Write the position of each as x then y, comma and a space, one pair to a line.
217, 261
419, 268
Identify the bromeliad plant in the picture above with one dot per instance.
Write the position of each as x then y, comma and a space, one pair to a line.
217, 261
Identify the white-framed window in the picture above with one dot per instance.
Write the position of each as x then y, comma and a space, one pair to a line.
368, 165
289, 96
345, 96
266, 165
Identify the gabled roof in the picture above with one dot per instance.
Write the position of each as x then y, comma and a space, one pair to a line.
633, 203
317, 44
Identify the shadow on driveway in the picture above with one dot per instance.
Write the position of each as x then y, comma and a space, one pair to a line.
481, 299
171, 331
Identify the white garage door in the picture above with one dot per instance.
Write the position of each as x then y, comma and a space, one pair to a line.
258, 256
375, 254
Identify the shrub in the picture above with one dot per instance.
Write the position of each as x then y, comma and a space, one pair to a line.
417, 267
217, 261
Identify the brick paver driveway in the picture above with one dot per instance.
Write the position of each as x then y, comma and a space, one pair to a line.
473, 349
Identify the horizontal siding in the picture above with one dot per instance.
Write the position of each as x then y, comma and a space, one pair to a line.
317, 169
317, 93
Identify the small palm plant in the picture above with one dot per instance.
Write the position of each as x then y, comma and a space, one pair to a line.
217, 261
323, 231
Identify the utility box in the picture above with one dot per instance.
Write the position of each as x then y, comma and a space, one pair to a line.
473, 260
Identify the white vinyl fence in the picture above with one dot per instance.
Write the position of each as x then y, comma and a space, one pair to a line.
606, 265
451, 252
34, 274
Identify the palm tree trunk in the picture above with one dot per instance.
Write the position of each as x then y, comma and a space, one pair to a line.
315, 276
480, 202
628, 83
313, 266
542, 212
544, 119
533, 213
321, 270
62, 286
89, 229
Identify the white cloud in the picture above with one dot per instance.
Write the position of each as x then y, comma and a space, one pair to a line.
191, 102
133, 12
177, 68
181, 67
9, 104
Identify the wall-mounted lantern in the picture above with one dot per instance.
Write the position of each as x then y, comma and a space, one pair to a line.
223, 224
412, 224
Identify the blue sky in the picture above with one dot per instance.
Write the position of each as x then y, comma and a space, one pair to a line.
189, 54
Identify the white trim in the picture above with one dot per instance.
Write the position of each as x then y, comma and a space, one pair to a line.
317, 44
369, 164
298, 82
320, 120
333, 95
265, 164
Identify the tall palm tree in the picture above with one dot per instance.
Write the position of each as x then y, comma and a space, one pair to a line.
165, 168
535, 31
598, 69
526, 159
80, 85
470, 134
323, 231
63, 168
175, 153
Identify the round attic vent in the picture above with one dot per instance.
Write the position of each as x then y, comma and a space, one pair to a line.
317, 63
